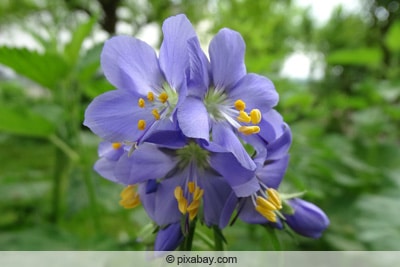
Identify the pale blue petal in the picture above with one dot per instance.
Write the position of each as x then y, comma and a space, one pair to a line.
174, 58
256, 91
193, 118
131, 64
226, 51
224, 137
242, 180
199, 76
114, 116
147, 162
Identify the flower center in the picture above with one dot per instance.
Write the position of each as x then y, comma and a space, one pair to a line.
192, 153
221, 108
160, 106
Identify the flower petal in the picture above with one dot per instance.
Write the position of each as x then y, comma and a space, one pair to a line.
224, 137
216, 192
226, 51
131, 64
280, 147
248, 213
242, 180
256, 91
227, 210
271, 174
193, 118
146, 163
107, 150
105, 168
167, 134
307, 220
114, 115
168, 239
199, 76
174, 59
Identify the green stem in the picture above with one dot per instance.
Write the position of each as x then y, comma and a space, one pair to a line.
276, 244
218, 239
188, 242
61, 169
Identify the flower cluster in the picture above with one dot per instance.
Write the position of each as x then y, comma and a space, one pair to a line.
195, 138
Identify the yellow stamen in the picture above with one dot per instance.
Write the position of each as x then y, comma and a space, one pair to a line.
255, 115
198, 193
191, 187
240, 105
129, 198
268, 214
247, 130
141, 125
243, 117
116, 145
155, 114
182, 205
265, 204
193, 214
163, 97
274, 197
150, 96
193, 206
178, 193
141, 103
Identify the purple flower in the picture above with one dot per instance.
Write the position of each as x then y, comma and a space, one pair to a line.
267, 205
307, 219
180, 180
168, 238
222, 98
149, 89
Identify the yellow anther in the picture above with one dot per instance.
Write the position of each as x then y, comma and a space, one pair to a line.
155, 114
163, 97
255, 115
198, 193
247, 130
141, 103
116, 145
268, 214
129, 198
182, 205
178, 193
274, 198
265, 204
193, 206
150, 96
191, 187
141, 125
243, 117
193, 214
240, 105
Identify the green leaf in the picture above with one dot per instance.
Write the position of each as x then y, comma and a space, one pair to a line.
24, 122
392, 38
367, 56
73, 48
45, 69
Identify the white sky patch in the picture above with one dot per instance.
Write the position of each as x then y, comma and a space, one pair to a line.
321, 10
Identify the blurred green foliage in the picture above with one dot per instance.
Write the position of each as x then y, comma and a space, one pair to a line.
345, 125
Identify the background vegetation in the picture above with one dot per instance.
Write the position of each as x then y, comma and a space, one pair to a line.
345, 124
